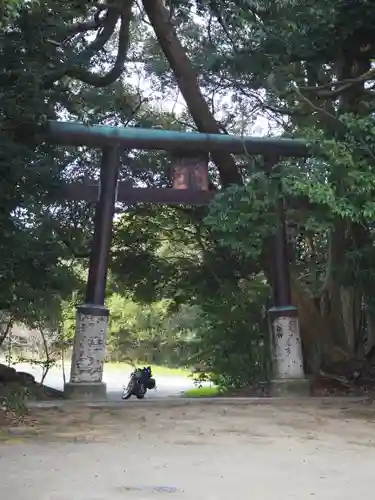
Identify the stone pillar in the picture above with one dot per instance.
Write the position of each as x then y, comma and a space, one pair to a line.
88, 354
288, 372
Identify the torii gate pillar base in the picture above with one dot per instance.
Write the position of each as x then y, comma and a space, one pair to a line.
289, 378
88, 354
86, 392
290, 388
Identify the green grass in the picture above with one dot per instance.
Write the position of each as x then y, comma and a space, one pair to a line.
163, 371
202, 392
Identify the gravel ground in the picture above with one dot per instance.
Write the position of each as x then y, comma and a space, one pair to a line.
191, 451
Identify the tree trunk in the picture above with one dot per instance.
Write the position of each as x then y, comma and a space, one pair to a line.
7, 323
370, 330
351, 318
333, 289
343, 300
317, 342
187, 81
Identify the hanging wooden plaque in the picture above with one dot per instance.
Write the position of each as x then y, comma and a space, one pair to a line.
190, 171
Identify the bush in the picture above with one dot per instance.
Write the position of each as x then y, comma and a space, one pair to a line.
13, 399
233, 346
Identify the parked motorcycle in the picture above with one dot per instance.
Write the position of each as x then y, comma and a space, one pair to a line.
140, 381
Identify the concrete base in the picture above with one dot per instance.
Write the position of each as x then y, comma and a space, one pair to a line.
299, 387
86, 391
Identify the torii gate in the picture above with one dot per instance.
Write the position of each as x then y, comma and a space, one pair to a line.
190, 186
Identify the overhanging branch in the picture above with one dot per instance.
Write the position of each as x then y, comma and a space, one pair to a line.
334, 89
103, 81
107, 24
91, 24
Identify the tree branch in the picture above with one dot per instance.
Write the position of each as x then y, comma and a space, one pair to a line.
342, 85
123, 43
74, 69
188, 83
83, 27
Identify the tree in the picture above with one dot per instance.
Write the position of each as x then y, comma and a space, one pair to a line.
319, 92
264, 58
45, 60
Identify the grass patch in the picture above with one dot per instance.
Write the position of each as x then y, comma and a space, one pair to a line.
163, 371
202, 392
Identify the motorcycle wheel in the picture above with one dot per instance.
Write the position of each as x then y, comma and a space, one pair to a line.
127, 392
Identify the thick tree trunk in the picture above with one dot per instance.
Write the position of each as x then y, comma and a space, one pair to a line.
187, 80
338, 319
333, 290
345, 300
318, 346
370, 333
343, 310
351, 318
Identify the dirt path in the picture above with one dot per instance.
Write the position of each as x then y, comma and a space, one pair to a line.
196, 451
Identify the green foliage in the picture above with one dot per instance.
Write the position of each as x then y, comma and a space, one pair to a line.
13, 399
287, 59
68, 309
165, 253
243, 217
33, 271
9, 11
146, 333
232, 343
341, 177
203, 392
156, 255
